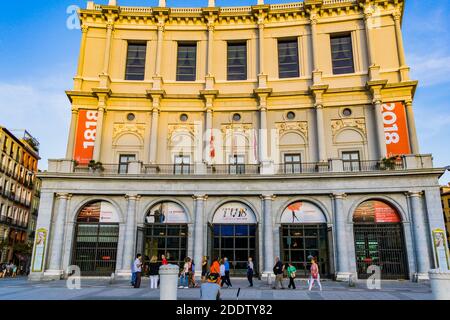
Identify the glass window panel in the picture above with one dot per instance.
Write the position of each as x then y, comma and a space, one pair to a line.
227, 243
135, 69
227, 230
237, 61
186, 62
342, 54
288, 59
241, 230
241, 243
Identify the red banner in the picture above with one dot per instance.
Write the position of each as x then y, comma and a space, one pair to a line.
395, 129
85, 136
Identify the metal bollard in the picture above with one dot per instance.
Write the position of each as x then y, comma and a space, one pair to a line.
168, 276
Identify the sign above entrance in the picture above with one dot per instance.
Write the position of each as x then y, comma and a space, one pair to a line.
234, 213
302, 212
100, 211
376, 212
166, 212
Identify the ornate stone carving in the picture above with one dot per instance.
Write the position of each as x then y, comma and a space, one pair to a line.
236, 127
356, 123
299, 126
122, 128
174, 128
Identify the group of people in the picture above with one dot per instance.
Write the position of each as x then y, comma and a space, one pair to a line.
151, 268
217, 275
8, 270
280, 268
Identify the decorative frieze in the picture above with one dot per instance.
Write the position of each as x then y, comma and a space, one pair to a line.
355, 123
297, 126
123, 128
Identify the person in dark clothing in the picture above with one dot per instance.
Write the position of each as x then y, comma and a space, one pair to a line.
278, 270
137, 266
204, 268
154, 272
250, 271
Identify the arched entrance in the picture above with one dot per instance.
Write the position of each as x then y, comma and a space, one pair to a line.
96, 238
304, 235
379, 240
165, 232
233, 234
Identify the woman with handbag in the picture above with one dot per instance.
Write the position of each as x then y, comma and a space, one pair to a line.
315, 275
291, 275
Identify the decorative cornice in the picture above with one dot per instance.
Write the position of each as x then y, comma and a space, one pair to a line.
356, 123
298, 126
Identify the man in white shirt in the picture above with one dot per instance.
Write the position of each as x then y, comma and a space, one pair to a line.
137, 268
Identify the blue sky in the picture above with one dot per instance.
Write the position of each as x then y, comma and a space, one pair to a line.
39, 54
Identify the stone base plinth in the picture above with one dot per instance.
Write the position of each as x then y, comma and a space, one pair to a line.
440, 284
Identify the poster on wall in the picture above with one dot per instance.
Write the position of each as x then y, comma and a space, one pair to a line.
166, 212
100, 211
39, 250
85, 136
441, 249
376, 211
302, 212
395, 129
234, 213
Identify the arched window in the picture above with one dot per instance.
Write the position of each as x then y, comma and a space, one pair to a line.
96, 238
379, 240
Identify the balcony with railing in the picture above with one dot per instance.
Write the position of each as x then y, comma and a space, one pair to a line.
137, 168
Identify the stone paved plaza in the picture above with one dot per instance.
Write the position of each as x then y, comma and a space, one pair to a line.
101, 289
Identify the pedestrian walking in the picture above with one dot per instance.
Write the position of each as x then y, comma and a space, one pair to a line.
154, 272
137, 265
184, 276
215, 267
278, 270
192, 274
291, 270
14, 271
222, 274
227, 272
210, 290
204, 268
315, 275
250, 271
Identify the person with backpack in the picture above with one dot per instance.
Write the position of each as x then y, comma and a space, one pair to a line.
278, 270
291, 275
315, 275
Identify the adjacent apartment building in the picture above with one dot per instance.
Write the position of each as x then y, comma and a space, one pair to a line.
19, 156
255, 131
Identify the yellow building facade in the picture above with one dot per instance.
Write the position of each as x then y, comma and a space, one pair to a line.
257, 131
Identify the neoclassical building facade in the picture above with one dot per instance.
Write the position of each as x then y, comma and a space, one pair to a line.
256, 131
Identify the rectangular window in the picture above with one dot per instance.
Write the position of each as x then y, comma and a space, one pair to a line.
292, 163
288, 58
237, 164
136, 61
237, 61
186, 61
342, 54
182, 164
123, 162
351, 161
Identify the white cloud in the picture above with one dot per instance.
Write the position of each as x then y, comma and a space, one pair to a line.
430, 70
42, 109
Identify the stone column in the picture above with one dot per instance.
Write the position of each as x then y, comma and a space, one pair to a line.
320, 133
72, 132
342, 253
412, 128
420, 235
208, 133
400, 48
316, 73
54, 269
198, 233
367, 24
159, 48
381, 138
268, 235
261, 44
78, 77
99, 130
154, 131
130, 233
104, 76
209, 64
